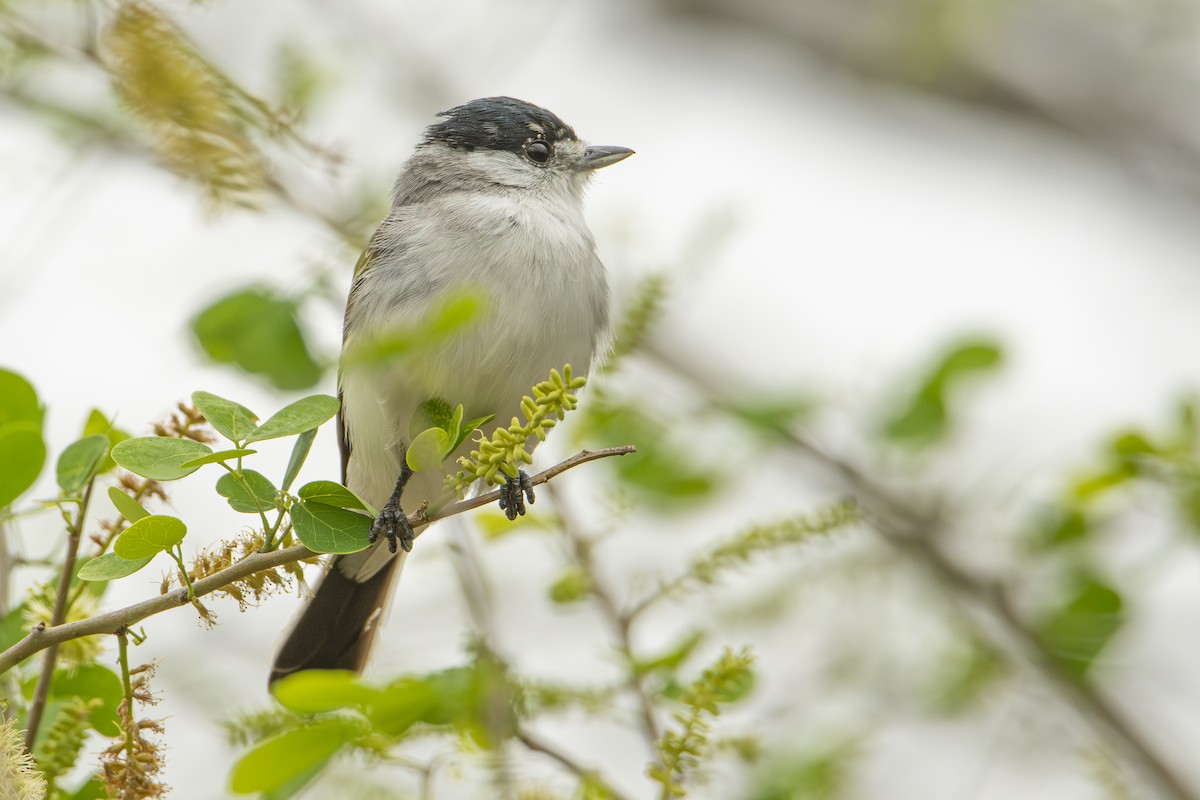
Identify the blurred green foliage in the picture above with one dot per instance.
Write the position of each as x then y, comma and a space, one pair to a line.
259, 332
924, 417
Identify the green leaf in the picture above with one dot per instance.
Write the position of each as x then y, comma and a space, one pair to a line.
326, 529
289, 755
299, 454
232, 420
1062, 526
771, 415
79, 462
129, 508
93, 681
468, 428
453, 313
924, 418
661, 472
922, 421
433, 413
313, 691
149, 536
1076, 633
98, 423
458, 696
458, 310
13, 627
23, 454
160, 458
672, 659
18, 401
243, 500
260, 333
573, 585
332, 494
427, 450
110, 567
305, 414
91, 789
218, 457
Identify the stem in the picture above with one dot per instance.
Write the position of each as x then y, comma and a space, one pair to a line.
123, 657
177, 554
241, 479
620, 621
914, 531
38, 705
43, 637
106, 543
538, 746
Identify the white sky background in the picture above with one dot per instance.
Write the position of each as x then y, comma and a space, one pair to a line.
871, 226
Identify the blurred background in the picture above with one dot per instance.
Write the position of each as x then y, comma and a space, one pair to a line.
937, 257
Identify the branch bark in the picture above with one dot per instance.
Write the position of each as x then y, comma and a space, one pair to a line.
110, 622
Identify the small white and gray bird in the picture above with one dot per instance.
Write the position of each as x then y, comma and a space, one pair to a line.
491, 202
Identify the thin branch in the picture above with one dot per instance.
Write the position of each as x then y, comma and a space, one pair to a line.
914, 531
42, 692
42, 637
621, 621
538, 746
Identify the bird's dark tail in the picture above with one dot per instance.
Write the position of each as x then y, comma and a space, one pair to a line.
336, 628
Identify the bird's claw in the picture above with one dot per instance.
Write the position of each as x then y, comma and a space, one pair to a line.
515, 493
393, 523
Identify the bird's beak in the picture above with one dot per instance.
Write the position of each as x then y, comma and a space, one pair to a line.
597, 157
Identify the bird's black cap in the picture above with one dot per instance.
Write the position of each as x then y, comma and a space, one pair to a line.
497, 123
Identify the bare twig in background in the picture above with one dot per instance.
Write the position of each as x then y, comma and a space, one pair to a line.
538, 746
43, 637
914, 531
620, 620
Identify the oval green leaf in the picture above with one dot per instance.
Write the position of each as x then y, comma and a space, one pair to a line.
111, 566
80, 461
232, 420
130, 509
434, 413
313, 691
260, 333
326, 529
289, 755
332, 494
160, 458
149, 536
299, 454
427, 450
243, 499
98, 423
93, 681
18, 400
215, 458
303, 415
23, 454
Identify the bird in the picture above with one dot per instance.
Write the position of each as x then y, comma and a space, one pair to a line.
491, 202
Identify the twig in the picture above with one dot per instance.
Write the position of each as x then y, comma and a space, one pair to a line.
621, 621
42, 637
123, 658
538, 746
40, 694
913, 531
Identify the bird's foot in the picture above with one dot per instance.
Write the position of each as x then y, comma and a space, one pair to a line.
515, 493
393, 523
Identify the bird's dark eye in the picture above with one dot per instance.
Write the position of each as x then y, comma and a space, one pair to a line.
538, 151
